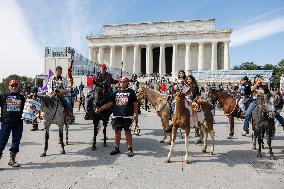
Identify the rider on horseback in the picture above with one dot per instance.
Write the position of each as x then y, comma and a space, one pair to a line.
245, 92
58, 86
257, 88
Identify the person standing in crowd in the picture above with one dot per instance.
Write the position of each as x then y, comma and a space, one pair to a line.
279, 102
257, 88
125, 110
76, 92
81, 87
82, 102
272, 82
12, 105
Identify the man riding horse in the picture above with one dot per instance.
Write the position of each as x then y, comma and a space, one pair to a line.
101, 95
58, 86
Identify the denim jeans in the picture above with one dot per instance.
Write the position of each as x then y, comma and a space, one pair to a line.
242, 102
278, 117
69, 104
248, 114
5, 130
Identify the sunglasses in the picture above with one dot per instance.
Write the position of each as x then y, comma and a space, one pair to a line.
122, 81
14, 85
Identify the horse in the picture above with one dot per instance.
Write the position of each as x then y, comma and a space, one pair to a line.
181, 119
263, 122
52, 112
229, 104
206, 127
159, 101
98, 98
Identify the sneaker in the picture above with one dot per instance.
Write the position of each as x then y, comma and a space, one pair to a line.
115, 151
130, 153
246, 132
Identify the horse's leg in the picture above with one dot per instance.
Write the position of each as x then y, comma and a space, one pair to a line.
43, 154
186, 146
202, 131
262, 137
271, 155
205, 142
61, 138
164, 128
213, 142
231, 122
66, 131
96, 124
254, 141
259, 141
174, 133
104, 132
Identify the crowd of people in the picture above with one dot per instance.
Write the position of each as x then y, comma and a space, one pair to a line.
120, 97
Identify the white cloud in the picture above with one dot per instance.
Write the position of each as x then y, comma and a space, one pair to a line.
257, 31
19, 53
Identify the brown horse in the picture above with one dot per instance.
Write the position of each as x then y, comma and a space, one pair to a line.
181, 119
229, 104
159, 102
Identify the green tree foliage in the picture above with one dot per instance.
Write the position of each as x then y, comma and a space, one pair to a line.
22, 79
247, 66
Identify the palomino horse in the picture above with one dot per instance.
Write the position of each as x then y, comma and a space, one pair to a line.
181, 119
52, 113
97, 99
229, 104
263, 122
159, 101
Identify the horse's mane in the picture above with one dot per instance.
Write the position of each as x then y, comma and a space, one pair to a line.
48, 101
155, 91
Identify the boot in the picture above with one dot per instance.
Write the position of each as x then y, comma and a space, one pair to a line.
35, 127
197, 132
12, 161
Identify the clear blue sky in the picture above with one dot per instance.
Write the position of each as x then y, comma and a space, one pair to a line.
258, 25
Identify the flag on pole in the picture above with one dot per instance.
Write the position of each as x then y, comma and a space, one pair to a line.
44, 87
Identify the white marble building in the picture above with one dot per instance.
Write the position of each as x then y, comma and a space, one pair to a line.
162, 47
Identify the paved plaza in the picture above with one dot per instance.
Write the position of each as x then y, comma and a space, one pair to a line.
234, 166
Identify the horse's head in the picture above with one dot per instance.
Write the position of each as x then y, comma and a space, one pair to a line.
31, 109
180, 96
141, 93
212, 96
267, 102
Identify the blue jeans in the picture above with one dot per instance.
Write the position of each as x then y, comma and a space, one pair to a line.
68, 102
5, 130
248, 114
278, 117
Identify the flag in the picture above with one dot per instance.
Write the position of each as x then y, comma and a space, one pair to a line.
90, 81
44, 86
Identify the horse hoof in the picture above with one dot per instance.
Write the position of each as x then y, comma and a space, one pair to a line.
203, 151
161, 141
230, 137
198, 141
105, 145
43, 154
62, 152
212, 153
272, 157
167, 161
94, 148
186, 161
263, 147
259, 156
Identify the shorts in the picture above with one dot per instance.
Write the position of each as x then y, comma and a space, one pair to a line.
121, 123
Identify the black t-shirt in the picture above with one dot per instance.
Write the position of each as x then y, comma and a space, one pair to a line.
12, 105
246, 89
123, 103
263, 88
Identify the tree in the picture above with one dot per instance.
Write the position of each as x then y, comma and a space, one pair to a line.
22, 79
247, 66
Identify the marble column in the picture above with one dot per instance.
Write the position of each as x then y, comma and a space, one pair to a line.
101, 55
200, 56
95, 53
124, 57
137, 59
187, 65
112, 57
91, 54
226, 56
174, 61
162, 65
214, 66
149, 59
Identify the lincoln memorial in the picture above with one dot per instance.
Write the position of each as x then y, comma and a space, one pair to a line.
162, 47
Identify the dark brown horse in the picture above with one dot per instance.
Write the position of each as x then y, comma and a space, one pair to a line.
229, 104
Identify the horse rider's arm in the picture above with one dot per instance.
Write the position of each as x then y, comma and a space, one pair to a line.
104, 107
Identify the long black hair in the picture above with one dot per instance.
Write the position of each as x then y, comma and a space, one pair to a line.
184, 75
